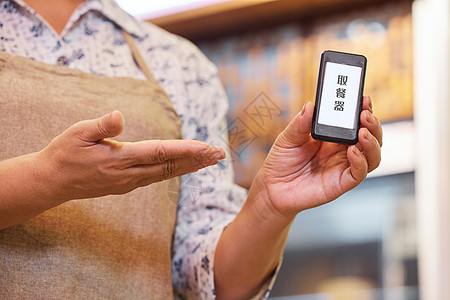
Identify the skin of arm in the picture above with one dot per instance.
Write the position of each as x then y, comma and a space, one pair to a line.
299, 173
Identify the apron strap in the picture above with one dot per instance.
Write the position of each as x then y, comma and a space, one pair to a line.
137, 56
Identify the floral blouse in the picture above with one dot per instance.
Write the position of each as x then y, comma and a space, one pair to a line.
93, 42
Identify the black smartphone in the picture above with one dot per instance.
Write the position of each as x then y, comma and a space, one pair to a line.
339, 95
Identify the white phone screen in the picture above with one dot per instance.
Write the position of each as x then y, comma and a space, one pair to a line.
339, 95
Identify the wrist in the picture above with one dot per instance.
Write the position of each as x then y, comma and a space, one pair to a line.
24, 193
48, 187
257, 236
261, 201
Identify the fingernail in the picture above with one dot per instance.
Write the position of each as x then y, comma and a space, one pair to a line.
355, 150
365, 133
371, 119
370, 105
206, 152
302, 112
218, 153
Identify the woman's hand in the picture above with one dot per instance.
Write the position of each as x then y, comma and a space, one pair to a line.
83, 163
301, 173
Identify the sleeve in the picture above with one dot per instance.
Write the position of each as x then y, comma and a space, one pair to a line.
209, 200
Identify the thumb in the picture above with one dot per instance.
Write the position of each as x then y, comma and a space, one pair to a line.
298, 130
108, 126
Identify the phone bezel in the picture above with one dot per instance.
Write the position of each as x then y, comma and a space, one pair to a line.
336, 134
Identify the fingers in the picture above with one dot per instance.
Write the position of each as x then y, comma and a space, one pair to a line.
371, 148
371, 122
108, 126
299, 129
158, 160
170, 168
366, 155
367, 104
159, 151
357, 170
370, 135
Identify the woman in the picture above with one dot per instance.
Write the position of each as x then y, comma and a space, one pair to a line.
121, 246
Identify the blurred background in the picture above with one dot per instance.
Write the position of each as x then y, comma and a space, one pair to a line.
388, 238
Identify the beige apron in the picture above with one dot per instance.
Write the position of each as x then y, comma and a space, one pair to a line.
114, 247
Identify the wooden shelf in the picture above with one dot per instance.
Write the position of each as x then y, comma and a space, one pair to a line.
241, 15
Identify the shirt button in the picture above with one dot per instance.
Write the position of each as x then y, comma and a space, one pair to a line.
62, 61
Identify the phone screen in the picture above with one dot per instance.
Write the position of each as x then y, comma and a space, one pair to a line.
339, 99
